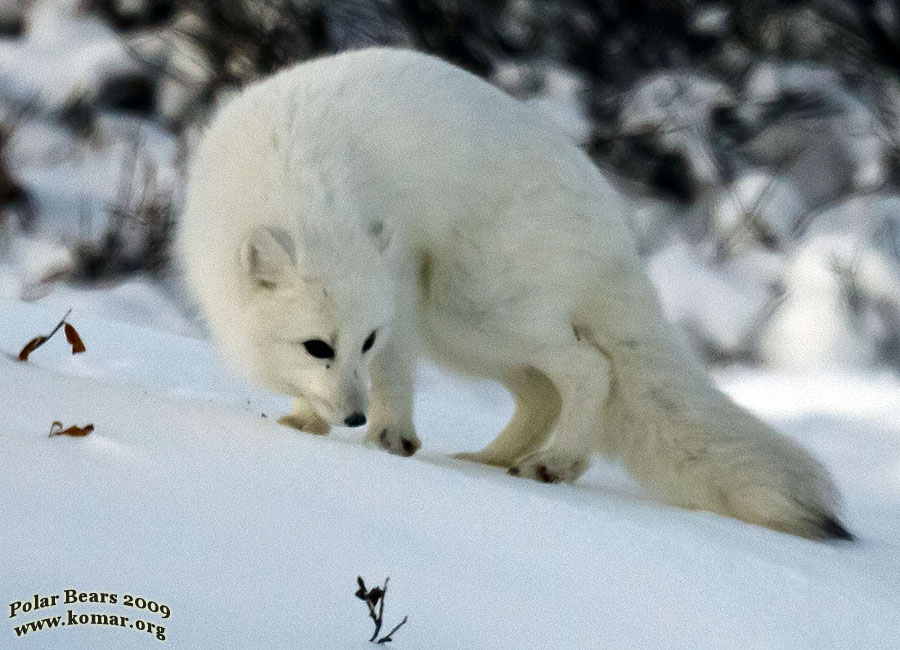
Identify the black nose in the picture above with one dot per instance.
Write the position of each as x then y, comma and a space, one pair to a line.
355, 420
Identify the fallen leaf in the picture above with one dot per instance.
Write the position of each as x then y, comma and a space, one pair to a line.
56, 429
71, 336
361, 592
75, 340
31, 346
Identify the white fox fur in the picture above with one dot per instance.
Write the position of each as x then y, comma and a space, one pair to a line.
386, 191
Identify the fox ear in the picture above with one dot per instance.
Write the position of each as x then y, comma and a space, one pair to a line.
266, 255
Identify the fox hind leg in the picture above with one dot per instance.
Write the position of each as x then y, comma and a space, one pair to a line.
581, 375
537, 408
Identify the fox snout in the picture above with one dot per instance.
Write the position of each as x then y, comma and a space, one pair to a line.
351, 404
355, 420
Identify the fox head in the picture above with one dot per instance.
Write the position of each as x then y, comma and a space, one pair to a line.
316, 317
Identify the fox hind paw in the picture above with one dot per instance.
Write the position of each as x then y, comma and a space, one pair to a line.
550, 467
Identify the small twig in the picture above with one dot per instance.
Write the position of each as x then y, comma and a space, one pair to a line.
387, 638
380, 620
38, 341
375, 598
374, 618
133, 49
60, 324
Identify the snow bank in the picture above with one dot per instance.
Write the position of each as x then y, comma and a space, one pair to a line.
189, 494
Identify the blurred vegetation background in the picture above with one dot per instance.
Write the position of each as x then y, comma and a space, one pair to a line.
758, 140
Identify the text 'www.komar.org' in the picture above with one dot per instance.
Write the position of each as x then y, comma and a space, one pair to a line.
71, 618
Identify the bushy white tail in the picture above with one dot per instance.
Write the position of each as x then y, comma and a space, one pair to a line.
687, 442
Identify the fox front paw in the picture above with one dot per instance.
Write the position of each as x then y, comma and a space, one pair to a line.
550, 467
397, 440
312, 424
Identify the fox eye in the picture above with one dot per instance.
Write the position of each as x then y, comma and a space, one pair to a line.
369, 342
319, 349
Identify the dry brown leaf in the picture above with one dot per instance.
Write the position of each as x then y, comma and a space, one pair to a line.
75, 340
71, 336
31, 346
56, 429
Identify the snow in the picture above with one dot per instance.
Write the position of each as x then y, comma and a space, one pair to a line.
64, 55
844, 121
678, 107
75, 183
715, 305
189, 494
812, 327
774, 204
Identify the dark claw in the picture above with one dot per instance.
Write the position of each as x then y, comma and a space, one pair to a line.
544, 474
409, 447
383, 436
513, 471
833, 529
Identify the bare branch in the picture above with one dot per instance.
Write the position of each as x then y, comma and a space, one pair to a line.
387, 638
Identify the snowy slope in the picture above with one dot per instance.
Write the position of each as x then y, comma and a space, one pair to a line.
253, 534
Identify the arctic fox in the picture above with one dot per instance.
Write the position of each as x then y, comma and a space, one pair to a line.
352, 211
